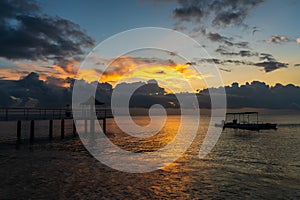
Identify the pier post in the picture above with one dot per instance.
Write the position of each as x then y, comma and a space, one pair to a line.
74, 129
31, 131
104, 125
62, 129
92, 126
50, 129
85, 126
19, 125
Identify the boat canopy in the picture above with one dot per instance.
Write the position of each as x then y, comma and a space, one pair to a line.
242, 113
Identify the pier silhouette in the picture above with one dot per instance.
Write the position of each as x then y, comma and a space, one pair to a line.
20, 115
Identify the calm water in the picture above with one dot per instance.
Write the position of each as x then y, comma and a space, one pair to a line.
243, 164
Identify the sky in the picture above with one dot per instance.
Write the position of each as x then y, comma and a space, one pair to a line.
247, 39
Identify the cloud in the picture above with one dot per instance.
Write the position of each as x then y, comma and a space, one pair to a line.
222, 12
242, 53
160, 72
266, 56
172, 72
269, 62
5, 63
164, 70
225, 70
298, 40
278, 39
260, 95
210, 60
222, 62
296, 65
241, 44
237, 62
32, 91
216, 37
29, 34
271, 65
59, 81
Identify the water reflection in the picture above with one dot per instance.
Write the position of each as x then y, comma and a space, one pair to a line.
246, 164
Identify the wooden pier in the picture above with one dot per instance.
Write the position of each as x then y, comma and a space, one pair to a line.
33, 114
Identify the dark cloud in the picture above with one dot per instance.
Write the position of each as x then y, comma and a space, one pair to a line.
266, 56
241, 44
225, 70
26, 33
260, 95
242, 53
269, 62
191, 63
57, 81
223, 12
237, 62
171, 53
210, 60
160, 72
296, 65
226, 18
31, 91
189, 13
216, 37
271, 65
221, 62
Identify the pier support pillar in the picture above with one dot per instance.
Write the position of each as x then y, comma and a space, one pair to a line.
92, 130
62, 129
104, 125
19, 126
85, 126
50, 129
31, 132
74, 129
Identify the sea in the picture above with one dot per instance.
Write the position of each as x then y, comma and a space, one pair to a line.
242, 165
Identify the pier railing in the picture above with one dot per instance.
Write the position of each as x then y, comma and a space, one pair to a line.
12, 114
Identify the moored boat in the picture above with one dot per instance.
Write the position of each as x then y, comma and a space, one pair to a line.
239, 122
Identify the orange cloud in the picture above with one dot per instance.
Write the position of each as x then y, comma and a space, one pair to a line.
298, 40
11, 74
47, 70
121, 69
166, 72
67, 71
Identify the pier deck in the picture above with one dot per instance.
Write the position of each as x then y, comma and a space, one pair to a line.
33, 114
14, 114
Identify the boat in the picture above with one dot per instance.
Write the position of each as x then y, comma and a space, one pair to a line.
238, 122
